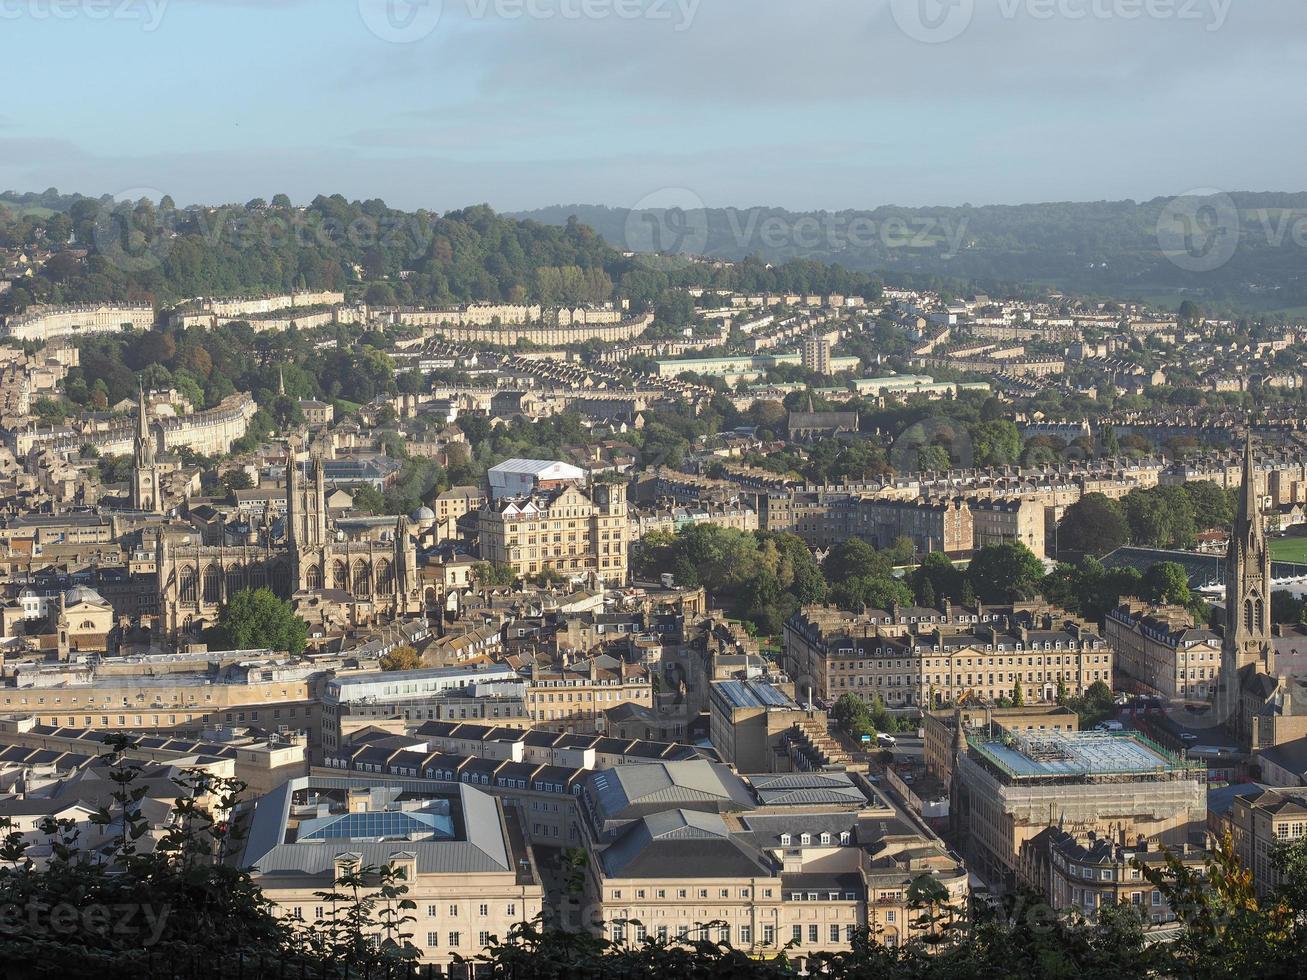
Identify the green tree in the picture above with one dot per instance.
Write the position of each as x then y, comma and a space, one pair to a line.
1005, 572
367, 498
995, 442
945, 580
237, 480
1212, 507
853, 716
1167, 582
492, 575
255, 619
1093, 525
1160, 517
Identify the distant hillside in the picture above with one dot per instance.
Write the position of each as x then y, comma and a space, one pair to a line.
146, 251
1103, 248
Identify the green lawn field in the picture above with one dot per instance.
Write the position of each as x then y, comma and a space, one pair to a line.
1289, 549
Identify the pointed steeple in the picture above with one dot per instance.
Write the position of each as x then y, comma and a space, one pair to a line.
145, 475
1247, 639
281, 381
1248, 518
142, 419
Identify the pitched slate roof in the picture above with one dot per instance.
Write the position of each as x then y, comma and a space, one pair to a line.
682, 844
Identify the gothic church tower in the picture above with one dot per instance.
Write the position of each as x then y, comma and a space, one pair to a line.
1247, 640
146, 492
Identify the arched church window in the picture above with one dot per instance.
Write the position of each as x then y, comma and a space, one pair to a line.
362, 579
187, 586
212, 584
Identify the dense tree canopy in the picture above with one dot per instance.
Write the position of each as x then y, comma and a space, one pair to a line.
255, 619
1004, 572
1093, 525
759, 576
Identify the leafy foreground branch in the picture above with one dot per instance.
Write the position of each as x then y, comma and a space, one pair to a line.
136, 902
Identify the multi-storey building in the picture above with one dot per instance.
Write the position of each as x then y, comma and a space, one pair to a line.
940, 728
1262, 822
262, 764
688, 852
169, 693
568, 531
750, 721
816, 354
1001, 521
1162, 649
825, 519
1008, 788
671, 518
574, 698
463, 855
1091, 872
357, 700
62, 321
914, 657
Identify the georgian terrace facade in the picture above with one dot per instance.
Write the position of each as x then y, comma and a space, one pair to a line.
914, 657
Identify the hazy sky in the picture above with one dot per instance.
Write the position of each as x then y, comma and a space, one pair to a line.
523, 103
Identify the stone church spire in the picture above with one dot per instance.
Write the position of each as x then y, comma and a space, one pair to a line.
145, 471
1247, 639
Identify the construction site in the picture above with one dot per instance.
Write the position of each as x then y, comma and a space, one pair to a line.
1013, 785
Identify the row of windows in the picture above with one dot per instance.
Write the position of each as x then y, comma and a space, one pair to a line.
641, 893
806, 839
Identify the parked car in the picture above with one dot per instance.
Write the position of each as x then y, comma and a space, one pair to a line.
888, 740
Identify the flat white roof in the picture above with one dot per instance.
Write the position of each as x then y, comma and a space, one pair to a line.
535, 467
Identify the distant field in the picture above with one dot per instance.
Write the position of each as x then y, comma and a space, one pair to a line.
25, 209
1289, 549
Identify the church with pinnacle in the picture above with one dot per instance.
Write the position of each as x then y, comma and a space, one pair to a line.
346, 571
1255, 698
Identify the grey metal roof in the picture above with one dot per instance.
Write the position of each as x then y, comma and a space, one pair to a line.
753, 694
480, 848
807, 789
682, 843
765, 830
625, 791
